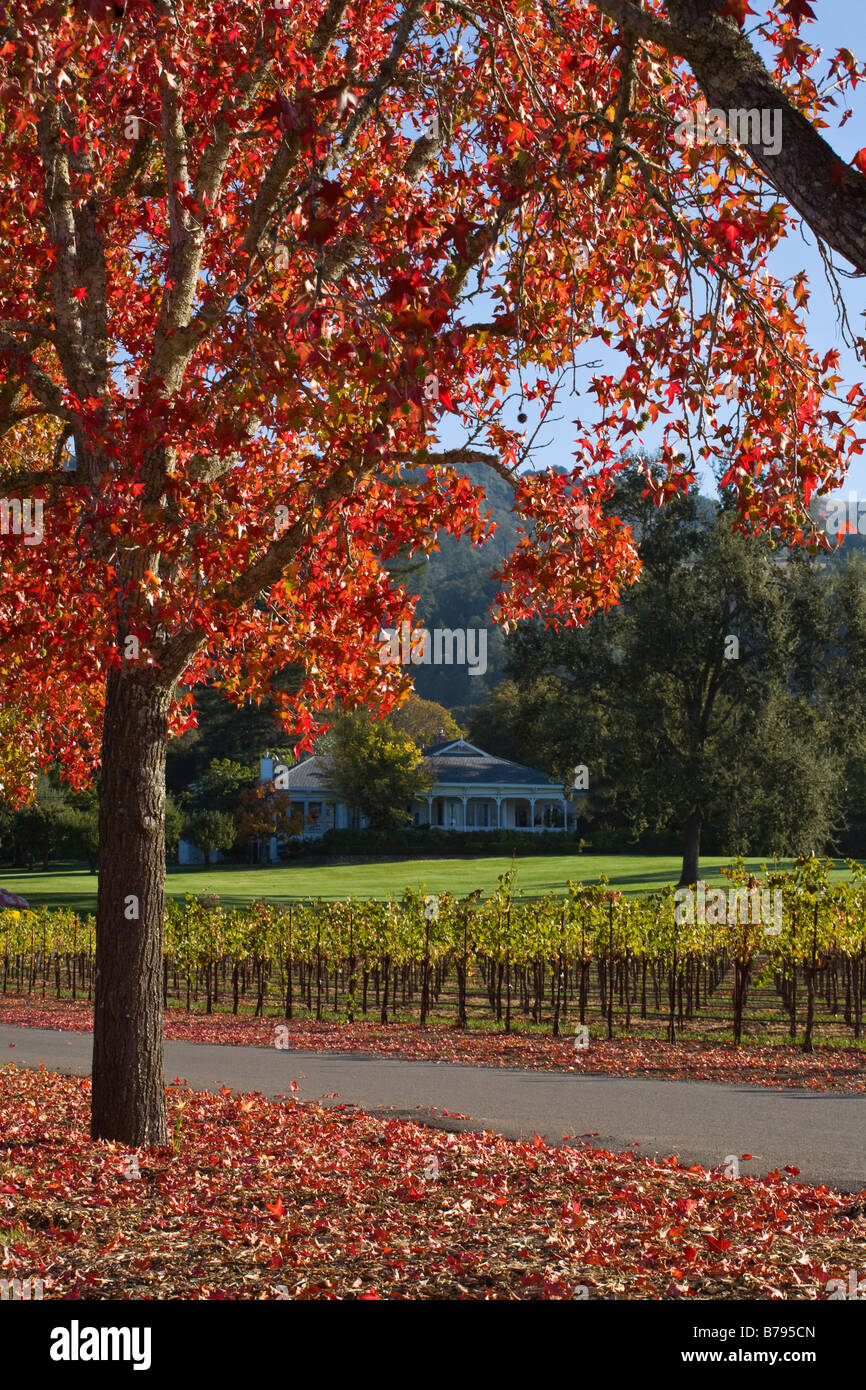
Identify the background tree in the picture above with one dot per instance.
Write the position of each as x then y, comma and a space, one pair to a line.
210, 830
79, 834
241, 255
378, 770
240, 733
690, 702
423, 721
220, 786
838, 630
34, 834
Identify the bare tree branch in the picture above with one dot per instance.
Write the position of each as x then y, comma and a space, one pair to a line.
61, 228
623, 110
28, 373
828, 193
326, 30
454, 456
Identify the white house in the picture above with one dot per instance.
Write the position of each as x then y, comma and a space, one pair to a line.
473, 791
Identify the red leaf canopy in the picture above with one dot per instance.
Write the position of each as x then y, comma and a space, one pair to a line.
252, 255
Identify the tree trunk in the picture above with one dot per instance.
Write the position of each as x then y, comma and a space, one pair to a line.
692, 849
128, 1078
810, 973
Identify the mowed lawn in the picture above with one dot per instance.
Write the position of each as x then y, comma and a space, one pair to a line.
71, 885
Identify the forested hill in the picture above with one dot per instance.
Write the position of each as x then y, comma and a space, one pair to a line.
456, 589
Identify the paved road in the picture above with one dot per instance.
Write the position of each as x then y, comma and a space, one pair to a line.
822, 1134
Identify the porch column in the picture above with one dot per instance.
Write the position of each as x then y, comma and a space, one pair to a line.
532, 813
564, 815
429, 811
498, 812
463, 798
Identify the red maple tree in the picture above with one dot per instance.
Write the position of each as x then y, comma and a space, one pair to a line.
251, 256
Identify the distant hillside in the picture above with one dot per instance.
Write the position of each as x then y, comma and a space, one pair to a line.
456, 589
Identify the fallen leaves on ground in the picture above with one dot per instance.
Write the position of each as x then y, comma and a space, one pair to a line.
267, 1200
830, 1069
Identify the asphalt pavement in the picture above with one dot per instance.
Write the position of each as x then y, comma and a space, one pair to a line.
821, 1133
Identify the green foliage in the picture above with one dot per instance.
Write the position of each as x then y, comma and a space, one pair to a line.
220, 785
822, 927
423, 721
696, 704
174, 822
210, 830
34, 833
378, 770
79, 835
437, 840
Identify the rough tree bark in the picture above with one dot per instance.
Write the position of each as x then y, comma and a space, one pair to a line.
827, 192
692, 849
128, 1096
128, 1078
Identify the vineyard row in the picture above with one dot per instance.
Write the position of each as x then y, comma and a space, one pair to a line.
552, 962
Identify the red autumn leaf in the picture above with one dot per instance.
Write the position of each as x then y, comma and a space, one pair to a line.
718, 1243
265, 426
798, 10
737, 9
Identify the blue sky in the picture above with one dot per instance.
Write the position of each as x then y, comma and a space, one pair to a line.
840, 23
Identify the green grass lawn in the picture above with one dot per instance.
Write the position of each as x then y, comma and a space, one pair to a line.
70, 885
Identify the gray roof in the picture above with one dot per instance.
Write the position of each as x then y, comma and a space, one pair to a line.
450, 768
469, 771
308, 776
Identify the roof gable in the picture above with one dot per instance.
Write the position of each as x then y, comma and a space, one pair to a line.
457, 747
453, 764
